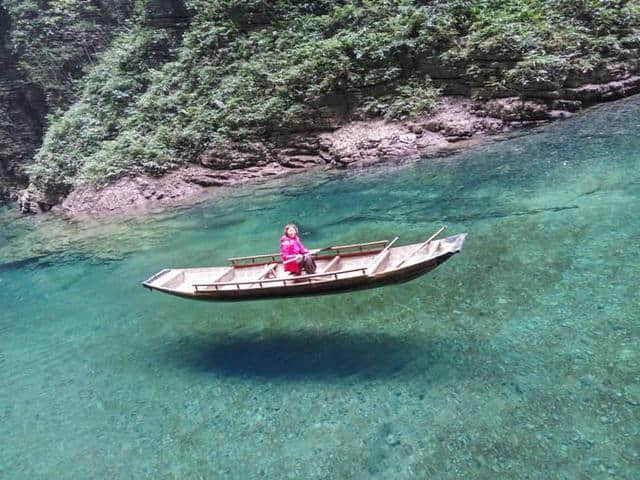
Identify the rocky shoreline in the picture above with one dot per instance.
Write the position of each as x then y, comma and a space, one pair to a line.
457, 123
513, 88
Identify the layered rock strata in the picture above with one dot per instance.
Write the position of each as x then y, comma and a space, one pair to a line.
457, 123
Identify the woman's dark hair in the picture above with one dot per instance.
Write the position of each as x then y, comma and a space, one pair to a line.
290, 225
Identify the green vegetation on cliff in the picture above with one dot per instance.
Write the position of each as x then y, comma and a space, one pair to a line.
253, 70
54, 40
46, 47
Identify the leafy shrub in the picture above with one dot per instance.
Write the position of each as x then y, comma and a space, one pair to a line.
83, 138
249, 70
56, 39
411, 99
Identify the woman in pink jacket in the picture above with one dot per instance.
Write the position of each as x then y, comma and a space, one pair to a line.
294, 254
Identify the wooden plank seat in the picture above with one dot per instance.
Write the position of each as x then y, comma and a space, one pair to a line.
216, 279
267, 270
325, 270
219, 278
334, 261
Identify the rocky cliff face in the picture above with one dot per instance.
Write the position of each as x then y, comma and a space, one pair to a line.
497, 96
44, 49
522, 104
22, 110
31, 88
486, 111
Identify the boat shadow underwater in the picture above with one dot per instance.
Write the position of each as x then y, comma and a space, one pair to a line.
305, 354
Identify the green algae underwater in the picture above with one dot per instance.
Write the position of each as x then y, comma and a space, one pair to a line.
517, 358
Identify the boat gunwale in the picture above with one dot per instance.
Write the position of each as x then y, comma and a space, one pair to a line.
317, 257
335, 248
294, 279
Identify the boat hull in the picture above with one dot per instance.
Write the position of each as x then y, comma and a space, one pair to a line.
315, 289
266, 280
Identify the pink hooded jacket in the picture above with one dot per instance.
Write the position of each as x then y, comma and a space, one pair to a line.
289, 248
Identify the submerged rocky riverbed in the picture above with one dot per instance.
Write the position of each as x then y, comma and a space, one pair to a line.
518, 358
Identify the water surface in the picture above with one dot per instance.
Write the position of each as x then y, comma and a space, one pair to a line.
518, 358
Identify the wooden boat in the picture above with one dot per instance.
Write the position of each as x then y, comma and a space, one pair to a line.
340, 269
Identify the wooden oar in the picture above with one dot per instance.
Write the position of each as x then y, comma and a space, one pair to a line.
421, 246
314, 251
373, 266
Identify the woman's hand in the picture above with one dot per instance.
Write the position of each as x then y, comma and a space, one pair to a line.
298, 258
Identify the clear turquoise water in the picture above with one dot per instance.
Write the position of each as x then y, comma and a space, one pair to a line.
518, 358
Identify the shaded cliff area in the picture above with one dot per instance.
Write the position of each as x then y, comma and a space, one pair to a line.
21, 116
46, 49
221, 86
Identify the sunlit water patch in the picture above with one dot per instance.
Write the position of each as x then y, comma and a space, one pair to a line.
518, 358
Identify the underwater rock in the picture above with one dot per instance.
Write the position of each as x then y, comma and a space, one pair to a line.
392, 440
587, 380
30, 201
